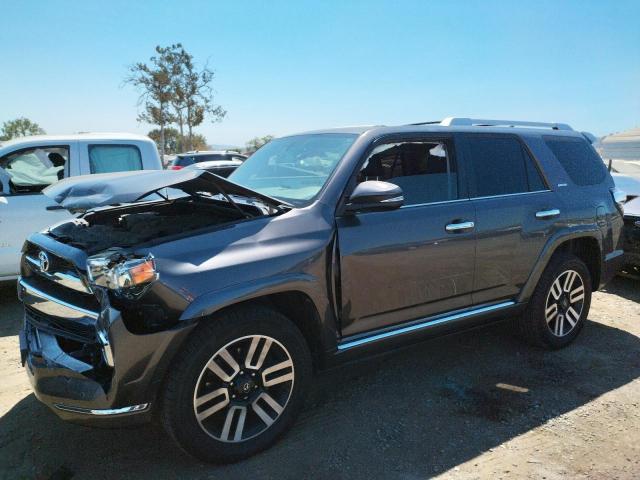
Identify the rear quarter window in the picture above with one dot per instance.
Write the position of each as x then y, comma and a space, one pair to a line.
578, 158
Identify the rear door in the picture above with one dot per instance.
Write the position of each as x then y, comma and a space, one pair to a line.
415, 261
515, 212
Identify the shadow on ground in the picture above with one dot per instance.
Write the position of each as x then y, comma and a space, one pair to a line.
10, 309
411, 414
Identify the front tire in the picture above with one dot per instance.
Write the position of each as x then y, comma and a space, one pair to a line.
560, 304
237, 386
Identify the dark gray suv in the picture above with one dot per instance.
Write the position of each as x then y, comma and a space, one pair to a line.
211, 302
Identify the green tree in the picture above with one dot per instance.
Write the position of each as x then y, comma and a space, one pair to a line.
173, 141
20, 127
257, 142
192, 95
154, 82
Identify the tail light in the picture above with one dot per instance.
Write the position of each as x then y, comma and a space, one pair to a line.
619, 197
175, 167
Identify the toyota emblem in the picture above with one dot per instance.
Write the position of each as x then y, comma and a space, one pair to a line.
44, 261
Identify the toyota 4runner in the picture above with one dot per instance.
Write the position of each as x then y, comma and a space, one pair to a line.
210, 302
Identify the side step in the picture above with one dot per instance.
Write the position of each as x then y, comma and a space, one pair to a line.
424, 323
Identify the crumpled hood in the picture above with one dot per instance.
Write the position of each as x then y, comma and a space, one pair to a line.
78, 194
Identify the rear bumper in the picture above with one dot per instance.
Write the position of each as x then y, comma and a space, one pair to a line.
612, 264
111, 380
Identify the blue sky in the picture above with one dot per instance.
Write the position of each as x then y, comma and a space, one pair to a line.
284, 67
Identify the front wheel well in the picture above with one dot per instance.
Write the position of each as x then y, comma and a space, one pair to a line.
586, 249
297, 307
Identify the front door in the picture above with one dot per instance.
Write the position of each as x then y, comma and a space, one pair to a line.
23, 209
415, 261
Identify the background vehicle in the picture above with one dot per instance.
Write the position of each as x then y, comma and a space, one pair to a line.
29, 164
220, 162
215, 305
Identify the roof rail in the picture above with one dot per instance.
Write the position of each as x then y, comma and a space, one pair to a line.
469, 122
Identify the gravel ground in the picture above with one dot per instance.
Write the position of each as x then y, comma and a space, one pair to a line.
474, 405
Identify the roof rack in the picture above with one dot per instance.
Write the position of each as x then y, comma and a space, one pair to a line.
469, 122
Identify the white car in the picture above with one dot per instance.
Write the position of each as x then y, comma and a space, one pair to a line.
29, 164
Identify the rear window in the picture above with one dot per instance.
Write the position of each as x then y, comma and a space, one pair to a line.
501, 166
578, 158
114, 158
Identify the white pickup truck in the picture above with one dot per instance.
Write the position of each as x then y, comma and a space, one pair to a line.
29, 164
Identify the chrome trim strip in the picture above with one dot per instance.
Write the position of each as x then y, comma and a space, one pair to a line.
510, 194
424, 324
102, 412
46, 296
66, 280
436, 203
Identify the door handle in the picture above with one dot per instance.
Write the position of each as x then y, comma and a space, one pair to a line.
459, 227
55, 207
554, 212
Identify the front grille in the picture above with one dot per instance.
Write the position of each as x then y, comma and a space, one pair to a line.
57, 264
72, 329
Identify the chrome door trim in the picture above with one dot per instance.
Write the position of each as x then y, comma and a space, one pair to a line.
510, 194
425, 323
443, 202
542, 214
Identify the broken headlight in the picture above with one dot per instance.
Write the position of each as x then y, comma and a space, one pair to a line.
117, 272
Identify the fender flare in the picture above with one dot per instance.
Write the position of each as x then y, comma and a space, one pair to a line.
211, 302
579, 231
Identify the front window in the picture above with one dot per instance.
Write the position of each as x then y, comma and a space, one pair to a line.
293, 169
32, 169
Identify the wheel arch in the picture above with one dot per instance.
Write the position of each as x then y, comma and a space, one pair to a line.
297, 297
585, 244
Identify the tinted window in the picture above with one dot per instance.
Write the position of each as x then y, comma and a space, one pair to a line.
32, 169
579, 159
536, 183
114, 158
424, 170
501, 166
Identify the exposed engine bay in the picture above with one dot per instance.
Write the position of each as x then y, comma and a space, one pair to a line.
133, 225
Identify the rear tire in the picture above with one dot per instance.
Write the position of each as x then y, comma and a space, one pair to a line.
237, 385
559, 307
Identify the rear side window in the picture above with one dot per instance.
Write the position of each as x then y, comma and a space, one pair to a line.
578, 158
114, 158
501, 166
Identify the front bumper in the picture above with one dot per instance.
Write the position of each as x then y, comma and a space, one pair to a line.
89, 368
631, 241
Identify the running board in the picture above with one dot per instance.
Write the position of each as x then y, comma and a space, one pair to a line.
422, 324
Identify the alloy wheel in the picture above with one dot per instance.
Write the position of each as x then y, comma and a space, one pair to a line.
565, 302
243, 388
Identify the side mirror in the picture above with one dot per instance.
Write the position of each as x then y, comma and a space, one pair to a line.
374, 195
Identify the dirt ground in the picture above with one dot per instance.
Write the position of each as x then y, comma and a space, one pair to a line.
474, 405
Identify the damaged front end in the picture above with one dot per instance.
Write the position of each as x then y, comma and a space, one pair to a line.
100, 326
85, 357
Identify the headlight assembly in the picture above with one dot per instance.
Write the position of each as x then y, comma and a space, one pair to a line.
117, 272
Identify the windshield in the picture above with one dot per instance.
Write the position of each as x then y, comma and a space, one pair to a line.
293, 169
